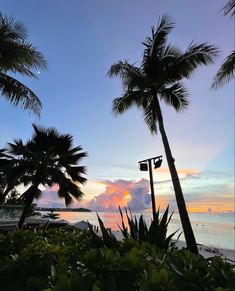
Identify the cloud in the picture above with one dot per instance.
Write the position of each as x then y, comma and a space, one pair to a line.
122, 193
203, 192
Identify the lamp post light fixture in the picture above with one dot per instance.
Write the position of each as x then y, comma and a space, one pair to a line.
146, 165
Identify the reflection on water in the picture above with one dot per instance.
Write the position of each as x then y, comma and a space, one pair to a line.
210, 229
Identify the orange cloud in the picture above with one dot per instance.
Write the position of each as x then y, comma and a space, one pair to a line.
122, 193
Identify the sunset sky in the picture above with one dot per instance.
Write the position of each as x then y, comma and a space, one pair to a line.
81, 40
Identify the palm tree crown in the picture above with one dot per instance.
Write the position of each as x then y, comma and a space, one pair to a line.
162, 68
49, 158
17, 55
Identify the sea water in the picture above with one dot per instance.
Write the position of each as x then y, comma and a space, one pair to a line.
210, 229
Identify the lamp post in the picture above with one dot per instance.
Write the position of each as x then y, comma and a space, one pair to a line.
146, 165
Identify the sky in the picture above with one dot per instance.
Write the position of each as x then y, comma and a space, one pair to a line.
81, 40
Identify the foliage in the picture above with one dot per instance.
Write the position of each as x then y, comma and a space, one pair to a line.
69, 259
156, 234
18, 56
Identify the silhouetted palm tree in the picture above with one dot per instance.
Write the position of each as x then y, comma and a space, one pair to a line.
47, 159
158, 78
17, 55
227, 69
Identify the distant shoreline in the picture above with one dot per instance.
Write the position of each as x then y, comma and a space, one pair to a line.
63, 209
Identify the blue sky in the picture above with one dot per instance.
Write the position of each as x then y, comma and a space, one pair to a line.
81, 40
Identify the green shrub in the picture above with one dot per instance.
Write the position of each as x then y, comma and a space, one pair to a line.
67, 259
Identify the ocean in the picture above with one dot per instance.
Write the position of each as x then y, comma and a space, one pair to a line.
210, 229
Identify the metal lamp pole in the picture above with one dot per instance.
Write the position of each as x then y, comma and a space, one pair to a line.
146, 165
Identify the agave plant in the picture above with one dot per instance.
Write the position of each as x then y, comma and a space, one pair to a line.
108, 238
157, 232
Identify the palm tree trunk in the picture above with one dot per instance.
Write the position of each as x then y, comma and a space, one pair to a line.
28, 202
186, 224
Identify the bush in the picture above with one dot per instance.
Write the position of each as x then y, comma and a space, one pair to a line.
68, 259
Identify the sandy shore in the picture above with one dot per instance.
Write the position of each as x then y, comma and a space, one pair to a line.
205, 251
211, 251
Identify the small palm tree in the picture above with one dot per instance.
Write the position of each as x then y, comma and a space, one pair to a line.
17, 55
227, 69
47, 159
158, 79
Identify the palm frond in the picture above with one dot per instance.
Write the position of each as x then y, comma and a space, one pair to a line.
130, 75
21, 58
130, 98
117, 69
195, 55
176, 96
229, 7
71, 159
12, 30
157, 41
226, 72
76, 173
68, 190
150, 116
17, 93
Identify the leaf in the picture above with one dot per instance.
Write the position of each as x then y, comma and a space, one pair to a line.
108, 238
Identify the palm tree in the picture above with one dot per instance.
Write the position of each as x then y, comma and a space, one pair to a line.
17, 55
158, 78
47, 159
227, 69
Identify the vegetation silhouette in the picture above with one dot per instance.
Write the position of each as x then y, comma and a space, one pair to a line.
158, 78
227, 69
47, 159
19, 56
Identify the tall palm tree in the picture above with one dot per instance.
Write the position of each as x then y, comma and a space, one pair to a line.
17, 55
47, 159
158, 79
227, 69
